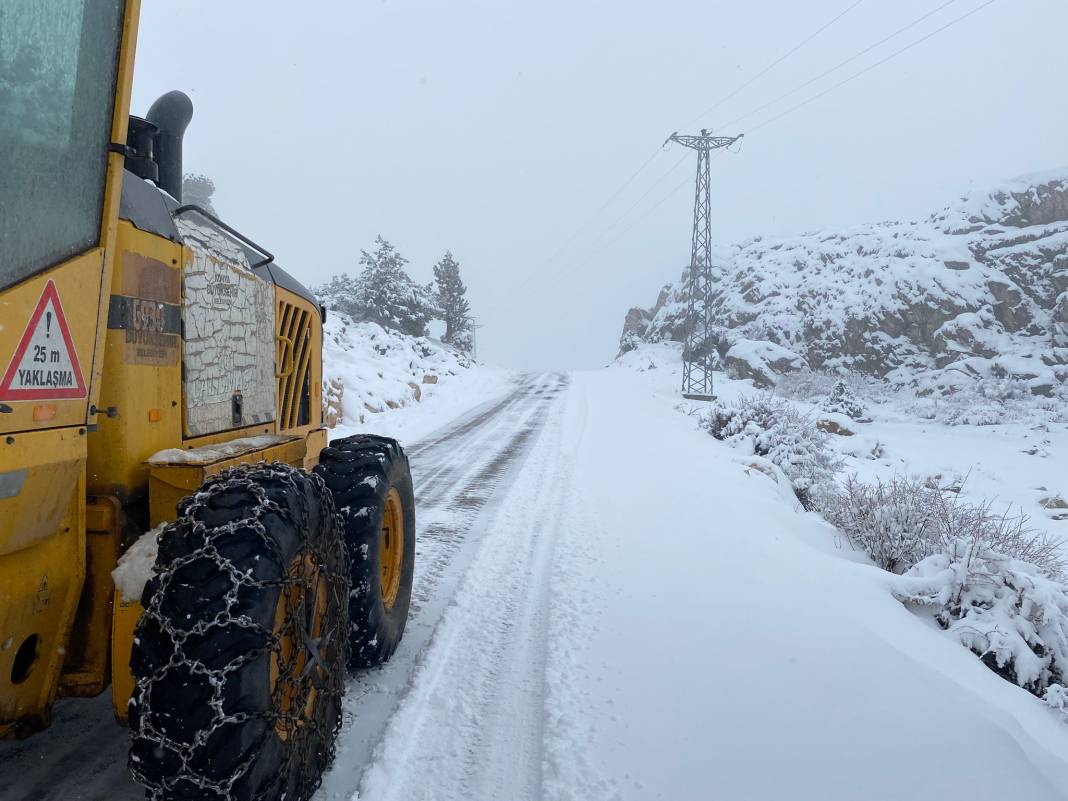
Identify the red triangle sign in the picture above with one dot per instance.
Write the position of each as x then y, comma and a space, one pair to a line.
45, 365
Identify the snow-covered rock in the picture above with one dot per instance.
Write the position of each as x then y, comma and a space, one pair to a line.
978, 290
368, 369
760, 361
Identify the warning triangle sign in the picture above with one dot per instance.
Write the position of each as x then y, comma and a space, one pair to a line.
45, 365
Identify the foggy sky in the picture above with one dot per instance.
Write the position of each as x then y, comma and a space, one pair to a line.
498, 130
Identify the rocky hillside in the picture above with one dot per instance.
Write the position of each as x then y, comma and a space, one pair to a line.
977, 290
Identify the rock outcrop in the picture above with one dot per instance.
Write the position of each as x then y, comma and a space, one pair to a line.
978, 290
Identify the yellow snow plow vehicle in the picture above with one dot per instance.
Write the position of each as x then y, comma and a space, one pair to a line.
173, 523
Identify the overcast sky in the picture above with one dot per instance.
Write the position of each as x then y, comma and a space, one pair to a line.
498, 130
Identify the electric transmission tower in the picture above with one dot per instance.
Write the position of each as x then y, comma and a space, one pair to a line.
696, 350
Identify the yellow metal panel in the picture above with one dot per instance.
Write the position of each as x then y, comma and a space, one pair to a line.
86, 669
42, 567
123, 622
316, 443
171, 481
142, 373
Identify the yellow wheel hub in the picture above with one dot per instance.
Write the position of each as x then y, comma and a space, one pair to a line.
391, 549
298, 625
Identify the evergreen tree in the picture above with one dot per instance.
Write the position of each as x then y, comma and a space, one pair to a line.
198, 189
452, 303
385, 294
843, 401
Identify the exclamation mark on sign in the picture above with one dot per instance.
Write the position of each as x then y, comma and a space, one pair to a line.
48, 325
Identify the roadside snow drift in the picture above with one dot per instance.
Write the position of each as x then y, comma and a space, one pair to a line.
385, 382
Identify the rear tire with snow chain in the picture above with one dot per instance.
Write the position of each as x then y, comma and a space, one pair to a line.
239, 657
372, 486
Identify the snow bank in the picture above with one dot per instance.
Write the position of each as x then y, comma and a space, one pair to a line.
399, 385
740, 649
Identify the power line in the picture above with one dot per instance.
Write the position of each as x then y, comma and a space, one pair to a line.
582, 228
671, 193
622, 187
949, 24
870, 67
775, 63
643, 196
840, 64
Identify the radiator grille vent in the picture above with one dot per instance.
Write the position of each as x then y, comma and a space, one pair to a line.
293, 365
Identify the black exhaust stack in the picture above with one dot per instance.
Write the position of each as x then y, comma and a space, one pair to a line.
171, 115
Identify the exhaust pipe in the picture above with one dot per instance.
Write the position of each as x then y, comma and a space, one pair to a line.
171, 114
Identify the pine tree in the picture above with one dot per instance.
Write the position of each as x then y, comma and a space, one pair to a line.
843, 401
452, 303
198, 189
385, 294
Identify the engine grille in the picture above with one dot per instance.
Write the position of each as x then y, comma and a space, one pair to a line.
293, 365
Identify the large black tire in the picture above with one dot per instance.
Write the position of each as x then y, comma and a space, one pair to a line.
239, 658
366, 474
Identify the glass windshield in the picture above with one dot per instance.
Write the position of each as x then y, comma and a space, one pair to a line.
57, 79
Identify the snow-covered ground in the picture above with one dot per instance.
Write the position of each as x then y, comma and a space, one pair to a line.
645, 617
1017, 465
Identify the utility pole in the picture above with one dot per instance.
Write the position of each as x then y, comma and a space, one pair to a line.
696, 355
474, 338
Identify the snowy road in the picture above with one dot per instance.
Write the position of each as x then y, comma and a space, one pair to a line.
460, 473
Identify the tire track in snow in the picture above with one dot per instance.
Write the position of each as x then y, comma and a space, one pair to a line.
452, 522
472, 726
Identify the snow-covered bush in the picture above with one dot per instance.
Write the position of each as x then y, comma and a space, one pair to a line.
992, 401
751, 414
892, 522
1056, 697
989, 579
816, 386
901, 522
842, 400
775, 429
1002, 609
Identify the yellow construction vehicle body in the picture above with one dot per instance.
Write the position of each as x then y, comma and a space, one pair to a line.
77, 479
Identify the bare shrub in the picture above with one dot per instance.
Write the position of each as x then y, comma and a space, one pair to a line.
806, 385
891, 522
750, 414
902, 521
991, 401
991, 580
